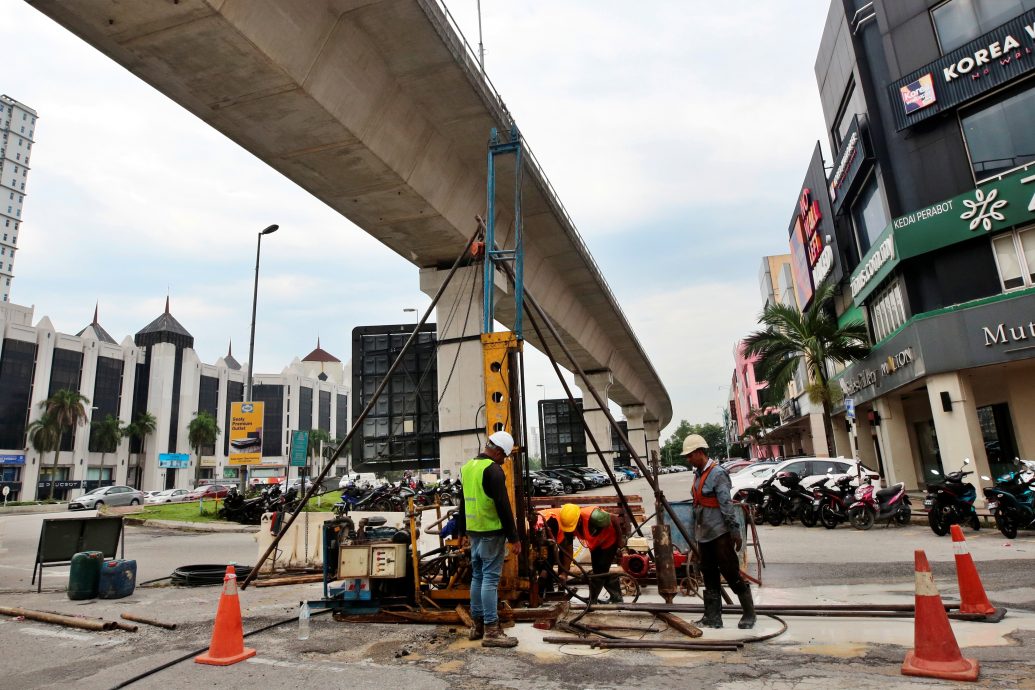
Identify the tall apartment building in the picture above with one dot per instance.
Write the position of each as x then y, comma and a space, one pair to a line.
17, 127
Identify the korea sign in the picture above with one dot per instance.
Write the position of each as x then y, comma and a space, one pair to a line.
246, 433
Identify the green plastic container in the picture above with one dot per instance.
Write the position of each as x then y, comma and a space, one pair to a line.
85, 575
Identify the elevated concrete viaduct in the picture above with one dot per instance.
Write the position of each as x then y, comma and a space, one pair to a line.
378, 108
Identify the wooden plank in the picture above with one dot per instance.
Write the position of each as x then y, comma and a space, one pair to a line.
464, 616
677, 623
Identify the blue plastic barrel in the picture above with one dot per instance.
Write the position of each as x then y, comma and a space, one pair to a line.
118, 579
84, 575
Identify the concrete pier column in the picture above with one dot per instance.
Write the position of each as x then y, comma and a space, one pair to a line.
819, 435
652, 434
600, 381
897, 450
842, 439
636, 432
958, 429
460, 422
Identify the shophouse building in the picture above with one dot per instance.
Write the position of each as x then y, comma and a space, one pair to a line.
157, 372
924, 216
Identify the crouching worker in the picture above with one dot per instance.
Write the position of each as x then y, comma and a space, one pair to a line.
601, 533
559, 525
717, 534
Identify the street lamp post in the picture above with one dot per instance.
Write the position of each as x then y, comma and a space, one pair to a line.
251, 340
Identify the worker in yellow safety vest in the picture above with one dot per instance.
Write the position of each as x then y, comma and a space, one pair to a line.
487, 519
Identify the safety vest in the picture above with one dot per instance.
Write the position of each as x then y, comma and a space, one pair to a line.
479, 509
604, 539
699, 498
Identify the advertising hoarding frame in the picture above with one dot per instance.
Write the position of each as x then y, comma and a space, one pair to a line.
246, 421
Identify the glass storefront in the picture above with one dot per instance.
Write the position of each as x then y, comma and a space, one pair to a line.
961, 21
997, 433
930, 455
998, 132
868, 215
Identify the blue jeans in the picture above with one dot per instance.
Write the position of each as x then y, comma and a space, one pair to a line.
487, 554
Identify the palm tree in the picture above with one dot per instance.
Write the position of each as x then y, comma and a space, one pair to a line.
140, 428
759, 423
107, 435
67, 410
790, 337
316, 436
202, 431
45, 437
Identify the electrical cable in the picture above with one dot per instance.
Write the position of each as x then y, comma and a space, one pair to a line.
204, 575
189, 655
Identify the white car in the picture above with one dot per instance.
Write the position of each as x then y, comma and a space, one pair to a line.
167, 496
806, 468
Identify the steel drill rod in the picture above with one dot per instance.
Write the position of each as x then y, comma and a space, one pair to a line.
362, 415
649, 607
148, 621
716, 646
93, 624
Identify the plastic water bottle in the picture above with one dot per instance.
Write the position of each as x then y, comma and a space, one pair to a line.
303, 621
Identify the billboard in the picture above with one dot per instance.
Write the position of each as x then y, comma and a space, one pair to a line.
299, 448
401, 431
246, 433
173, 461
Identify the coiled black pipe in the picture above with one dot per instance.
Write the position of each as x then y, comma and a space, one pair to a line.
205, 575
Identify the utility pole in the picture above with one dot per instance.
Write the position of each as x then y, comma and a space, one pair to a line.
481, 46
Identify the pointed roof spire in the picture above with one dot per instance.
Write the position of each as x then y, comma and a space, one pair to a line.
319, 354
231, 363
96, 307
94, 328
167, 304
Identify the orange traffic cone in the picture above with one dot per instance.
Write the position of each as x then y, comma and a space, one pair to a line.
227, 645
935, 654
973, 600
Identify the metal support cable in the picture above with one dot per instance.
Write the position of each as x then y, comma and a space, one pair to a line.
366, 411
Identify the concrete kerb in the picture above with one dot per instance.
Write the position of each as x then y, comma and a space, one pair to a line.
34, 509
177, 526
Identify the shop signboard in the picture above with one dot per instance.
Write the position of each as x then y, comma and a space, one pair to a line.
67, 484
996, 205
995, 58
850, 408
246, 433
999, 330
174, 461
814, 256
894, 364
299, 448
848, 166
12, 459
207, 462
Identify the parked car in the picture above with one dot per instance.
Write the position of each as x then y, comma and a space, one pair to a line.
107, 495
806, 468
167, 496
571, 484
591, 477
629, 472
208, 491
545, 486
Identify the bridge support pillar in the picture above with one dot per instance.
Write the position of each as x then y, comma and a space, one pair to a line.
460, 381
636, 432
652, 432
600, 381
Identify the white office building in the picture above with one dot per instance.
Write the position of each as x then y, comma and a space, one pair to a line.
17, 129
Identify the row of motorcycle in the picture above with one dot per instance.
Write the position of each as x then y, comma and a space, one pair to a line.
827, 500
249, 511
388, 497
1011, 500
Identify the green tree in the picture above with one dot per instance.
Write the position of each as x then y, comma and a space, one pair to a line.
671, 452
202, 431
106, 435
760, 421
66, 409
140, 428
790, 338
316, 438
45, 437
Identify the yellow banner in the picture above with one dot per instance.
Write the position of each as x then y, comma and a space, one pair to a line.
246, 433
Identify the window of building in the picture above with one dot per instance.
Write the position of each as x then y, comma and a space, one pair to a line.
1015, 257
961, 21
868, 215
887, 312
998, 132
851, 105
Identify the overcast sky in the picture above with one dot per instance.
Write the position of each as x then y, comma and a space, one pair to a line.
676, 133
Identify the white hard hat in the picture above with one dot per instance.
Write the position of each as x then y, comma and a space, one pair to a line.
693, 442
503, 441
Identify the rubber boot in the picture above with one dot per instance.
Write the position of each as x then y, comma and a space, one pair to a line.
477, 631
495, 637
712, 617
614, 591
747, 605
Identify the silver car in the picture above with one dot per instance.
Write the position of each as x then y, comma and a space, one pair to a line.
107, 495
167, 496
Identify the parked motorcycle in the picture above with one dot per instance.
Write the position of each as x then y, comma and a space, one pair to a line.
831, 503
779, 505
890, 504
1012, 500
951, 502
